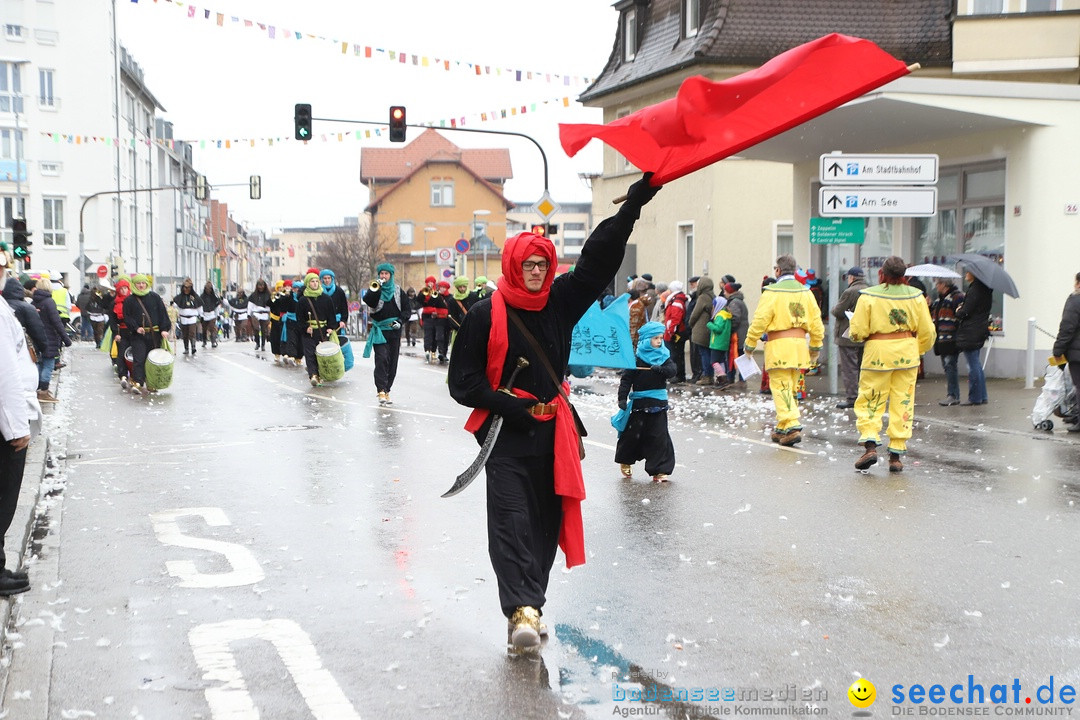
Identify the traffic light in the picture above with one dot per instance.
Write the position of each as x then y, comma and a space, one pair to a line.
552, 229
302, 120
202, 188
539, 229
21, 244
255, 187
397, 123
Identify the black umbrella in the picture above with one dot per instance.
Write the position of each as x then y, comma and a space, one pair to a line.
989, 272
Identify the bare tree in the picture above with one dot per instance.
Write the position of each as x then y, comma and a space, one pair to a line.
353, 254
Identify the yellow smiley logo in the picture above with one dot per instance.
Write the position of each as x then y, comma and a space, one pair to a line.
862, 693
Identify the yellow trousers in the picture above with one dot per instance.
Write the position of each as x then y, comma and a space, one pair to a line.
879, 389
783, 382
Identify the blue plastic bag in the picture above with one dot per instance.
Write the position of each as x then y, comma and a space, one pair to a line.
347, 353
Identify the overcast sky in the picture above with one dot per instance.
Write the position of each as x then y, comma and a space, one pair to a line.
233, 82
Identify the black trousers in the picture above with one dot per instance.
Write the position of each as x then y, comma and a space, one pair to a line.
12, 464
275, 337
386, 360
695, 360
309, 354
293, 347
141, 345
678, 354
209, 331
524, 517
119, 361
433, 331
442, 336
646, 438
187, 332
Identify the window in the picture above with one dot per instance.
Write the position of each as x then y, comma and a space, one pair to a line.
10, 88
629, 33
7, 211
1042, 5
45, 89
14, 32
970, 218
785, 239
46, 37
49, 168
987, 7
442, 193
11, 144
52, 223
692, 16
686, 249
405, 232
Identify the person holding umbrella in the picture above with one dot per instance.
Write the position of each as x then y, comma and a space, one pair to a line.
972, 330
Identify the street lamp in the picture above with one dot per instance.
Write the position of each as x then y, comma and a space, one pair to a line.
426, 231
475, 214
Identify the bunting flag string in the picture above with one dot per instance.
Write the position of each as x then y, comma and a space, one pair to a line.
338, 136
369, 52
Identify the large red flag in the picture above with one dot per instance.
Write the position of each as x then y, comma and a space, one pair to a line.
709, 121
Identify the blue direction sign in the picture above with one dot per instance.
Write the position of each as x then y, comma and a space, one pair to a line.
462, 246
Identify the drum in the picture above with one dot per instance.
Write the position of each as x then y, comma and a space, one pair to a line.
159, 367
331, 361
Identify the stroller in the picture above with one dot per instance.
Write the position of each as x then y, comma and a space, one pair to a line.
1058, 398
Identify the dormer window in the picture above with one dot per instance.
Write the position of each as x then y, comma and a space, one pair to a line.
691, 17
629, 33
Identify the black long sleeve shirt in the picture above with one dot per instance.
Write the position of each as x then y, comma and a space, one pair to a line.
570, 296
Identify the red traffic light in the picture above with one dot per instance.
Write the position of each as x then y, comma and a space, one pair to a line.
397, 123
539, 230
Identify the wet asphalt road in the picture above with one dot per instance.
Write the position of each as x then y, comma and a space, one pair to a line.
243, 545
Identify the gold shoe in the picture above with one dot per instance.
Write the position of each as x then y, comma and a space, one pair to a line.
626, 470
525, 632
661, 478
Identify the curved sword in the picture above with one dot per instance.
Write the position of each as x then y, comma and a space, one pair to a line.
473, 470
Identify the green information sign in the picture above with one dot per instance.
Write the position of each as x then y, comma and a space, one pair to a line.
837, 231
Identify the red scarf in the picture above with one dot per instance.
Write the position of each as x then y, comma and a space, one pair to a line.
569, 483
118, 303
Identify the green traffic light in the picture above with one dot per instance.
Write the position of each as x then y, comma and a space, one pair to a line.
21, 252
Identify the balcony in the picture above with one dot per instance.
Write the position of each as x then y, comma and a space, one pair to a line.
1023, 47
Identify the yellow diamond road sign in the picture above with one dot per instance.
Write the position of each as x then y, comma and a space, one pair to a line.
545, 207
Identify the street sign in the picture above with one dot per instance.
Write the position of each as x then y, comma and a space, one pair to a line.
877, 201
448, 273
545, 207
462, 246
444, 255
83, 263
840, 169
102, 271
837, 231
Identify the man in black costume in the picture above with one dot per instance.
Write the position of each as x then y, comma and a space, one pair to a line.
535, 487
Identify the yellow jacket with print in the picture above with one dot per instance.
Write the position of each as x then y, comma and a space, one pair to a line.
889, 309
784, 305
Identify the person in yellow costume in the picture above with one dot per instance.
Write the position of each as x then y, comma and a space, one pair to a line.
894, 321
786, 312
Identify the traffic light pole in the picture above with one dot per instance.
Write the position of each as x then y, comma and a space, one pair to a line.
82, 208
455, 129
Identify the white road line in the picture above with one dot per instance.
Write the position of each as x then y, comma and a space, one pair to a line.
230, 699
740, 438
246, 569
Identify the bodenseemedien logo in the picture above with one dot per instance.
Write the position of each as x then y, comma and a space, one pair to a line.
862, 695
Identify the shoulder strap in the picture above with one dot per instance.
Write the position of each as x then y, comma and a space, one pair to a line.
510, 313
146, 313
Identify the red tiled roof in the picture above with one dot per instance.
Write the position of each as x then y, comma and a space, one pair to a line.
391, 164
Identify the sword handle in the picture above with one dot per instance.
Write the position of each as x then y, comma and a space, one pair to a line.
520, 364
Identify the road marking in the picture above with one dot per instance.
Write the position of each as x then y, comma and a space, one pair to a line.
231, 701
126, 457
246, 569
305, 393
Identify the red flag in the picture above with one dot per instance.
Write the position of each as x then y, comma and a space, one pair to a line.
709, 121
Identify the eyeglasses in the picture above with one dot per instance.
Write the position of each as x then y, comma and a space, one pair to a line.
530, 265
